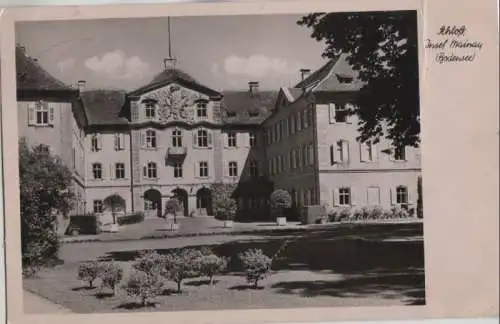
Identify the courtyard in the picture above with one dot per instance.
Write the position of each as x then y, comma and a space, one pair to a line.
342, 265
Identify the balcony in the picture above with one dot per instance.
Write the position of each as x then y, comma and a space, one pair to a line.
176, 152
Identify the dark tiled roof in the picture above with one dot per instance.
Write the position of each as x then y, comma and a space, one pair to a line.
104, 106
336, 75
242, 107
31, 76
174, 75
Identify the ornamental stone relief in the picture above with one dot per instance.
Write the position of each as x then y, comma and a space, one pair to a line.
175, 103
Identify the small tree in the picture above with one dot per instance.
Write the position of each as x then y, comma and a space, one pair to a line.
111, 274
182, 264
45, 184
212, 264
89, 272
115, 203
144, 286
172, 206
150, 263
256, 265
280, 199
224, 205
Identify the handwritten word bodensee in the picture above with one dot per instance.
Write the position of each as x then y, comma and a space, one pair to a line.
451, 45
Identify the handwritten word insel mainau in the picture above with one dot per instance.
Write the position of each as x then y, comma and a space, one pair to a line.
452, 46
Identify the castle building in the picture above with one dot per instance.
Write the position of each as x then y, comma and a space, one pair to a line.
176, 137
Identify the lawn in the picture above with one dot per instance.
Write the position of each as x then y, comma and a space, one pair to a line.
343, 266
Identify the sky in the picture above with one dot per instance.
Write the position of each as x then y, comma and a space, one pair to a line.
221, 52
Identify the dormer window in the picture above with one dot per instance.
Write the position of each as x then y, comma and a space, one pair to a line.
201, 109
344, 78
150, 108
231, 114
253, 113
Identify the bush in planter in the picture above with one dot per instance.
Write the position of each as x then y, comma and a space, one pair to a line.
340, 214
131, 219
369, 213
280, 199
256, 265
399, 213
212, 264
111, 274
89, 272
115, 203
182, 264
150, 262
144, 286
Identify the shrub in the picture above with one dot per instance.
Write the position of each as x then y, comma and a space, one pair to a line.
89, 272
224, 205
399, 213
340, 214
131, 219
211, 264
280, 199
150, 263
111, 274
83, 224
256, 265
45, 191
144, 286
182, 264
369, 213
172, 206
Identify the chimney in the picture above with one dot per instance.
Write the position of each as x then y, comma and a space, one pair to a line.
253, 87
304, 73
81, 85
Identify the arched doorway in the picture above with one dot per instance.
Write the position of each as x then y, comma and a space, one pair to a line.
182, 196
204, 201
152, 203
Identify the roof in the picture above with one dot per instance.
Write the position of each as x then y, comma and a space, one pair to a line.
336, 75
104, 106
247, 108
174, 76
31, 76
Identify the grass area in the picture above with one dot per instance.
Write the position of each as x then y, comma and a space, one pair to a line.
348, 266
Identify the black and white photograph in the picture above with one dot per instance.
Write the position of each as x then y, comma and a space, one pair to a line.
220, 162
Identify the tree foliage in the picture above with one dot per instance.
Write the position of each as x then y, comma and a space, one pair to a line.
280, 199
224, 204
382, 46
45, 184
115, 203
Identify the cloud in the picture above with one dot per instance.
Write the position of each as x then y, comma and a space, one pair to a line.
258, 66
66, 64
117, 65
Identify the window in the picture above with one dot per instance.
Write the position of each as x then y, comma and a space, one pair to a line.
286, 128
339, 152
178, 170
176, 138
201, 109
310, 152
279, 165
120, 170
367, 152
305, 118
119, 142
202, 138
280, 130
95, 143
203, 169
151, 139
294, 159
150, 204
98, 206
299, 121
150, 110
253, 169
402, 195
151, 171
231, 139
253, 140
344, 196
270, 166
73, 155
233, 169
293, 124
97, 170
399, 153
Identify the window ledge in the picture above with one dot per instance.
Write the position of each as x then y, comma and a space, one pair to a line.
41, 126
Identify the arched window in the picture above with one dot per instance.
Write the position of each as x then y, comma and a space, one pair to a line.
151, 138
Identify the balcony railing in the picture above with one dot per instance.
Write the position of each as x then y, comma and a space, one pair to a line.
173, 152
